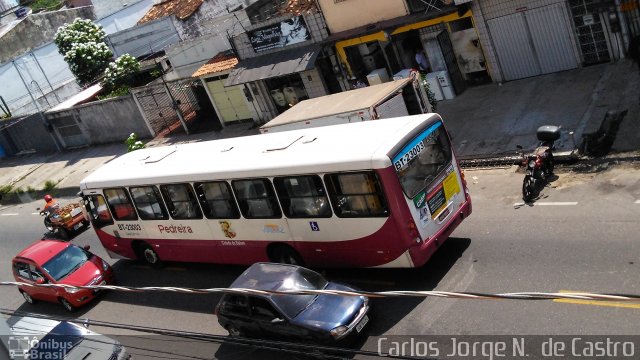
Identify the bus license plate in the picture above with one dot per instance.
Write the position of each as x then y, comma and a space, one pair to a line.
362, 323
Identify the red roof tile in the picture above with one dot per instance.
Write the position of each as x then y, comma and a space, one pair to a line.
182, 9
298, 7
221, 62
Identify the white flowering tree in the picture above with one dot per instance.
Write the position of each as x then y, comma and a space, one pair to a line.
83, 47
119, 74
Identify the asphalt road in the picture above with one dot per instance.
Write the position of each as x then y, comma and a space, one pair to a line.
581, 235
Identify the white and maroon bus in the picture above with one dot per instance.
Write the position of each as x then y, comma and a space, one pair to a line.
384, 193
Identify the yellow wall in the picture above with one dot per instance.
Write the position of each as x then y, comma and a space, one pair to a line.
341, 45
350, 14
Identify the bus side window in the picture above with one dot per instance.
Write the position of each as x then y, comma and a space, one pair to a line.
100, 215
302, 196
217, 200
120, 204
257, 199
356, 195
181, 201
149, 203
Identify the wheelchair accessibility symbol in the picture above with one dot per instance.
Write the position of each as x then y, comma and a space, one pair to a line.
314, 226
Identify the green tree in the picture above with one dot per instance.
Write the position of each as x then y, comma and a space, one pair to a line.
119, 74
82, 45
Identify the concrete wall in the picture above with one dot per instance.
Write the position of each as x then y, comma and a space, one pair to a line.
313, 83
197, 24
315, 23
189, 55
144, 39
104, 8
107, 121
125, 17
28, 134
36, 30
350, 14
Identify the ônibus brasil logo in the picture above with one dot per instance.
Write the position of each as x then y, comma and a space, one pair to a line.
25, 347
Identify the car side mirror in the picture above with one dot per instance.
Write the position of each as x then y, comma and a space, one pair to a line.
40, 281
277, 321
86, 247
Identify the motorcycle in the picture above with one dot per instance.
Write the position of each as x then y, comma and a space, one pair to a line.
539, 164
65, 220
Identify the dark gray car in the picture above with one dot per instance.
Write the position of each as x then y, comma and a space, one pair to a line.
319, 318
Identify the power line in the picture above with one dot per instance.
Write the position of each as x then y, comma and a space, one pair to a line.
531, 295
274, 345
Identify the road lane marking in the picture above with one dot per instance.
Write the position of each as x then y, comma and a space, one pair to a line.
618, 304
637, 202
557, 203
37, 213
9, 214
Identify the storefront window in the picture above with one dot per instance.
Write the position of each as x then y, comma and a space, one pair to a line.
286, 91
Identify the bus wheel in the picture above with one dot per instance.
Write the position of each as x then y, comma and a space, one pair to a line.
285, 254
148, 255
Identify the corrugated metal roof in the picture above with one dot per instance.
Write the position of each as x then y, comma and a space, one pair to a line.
273, 65
221, 62
182, 9
80, 98
340, 103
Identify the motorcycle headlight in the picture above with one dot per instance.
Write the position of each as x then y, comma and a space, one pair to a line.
72, 291
532, 163
339, 331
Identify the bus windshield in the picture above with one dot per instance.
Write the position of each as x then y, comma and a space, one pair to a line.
420, 161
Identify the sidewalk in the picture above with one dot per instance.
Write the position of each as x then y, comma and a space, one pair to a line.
488, 120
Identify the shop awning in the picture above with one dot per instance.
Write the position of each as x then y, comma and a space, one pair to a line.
273, 65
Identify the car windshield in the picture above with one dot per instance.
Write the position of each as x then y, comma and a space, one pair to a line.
418, 163
302, 279
66, 262
58, 342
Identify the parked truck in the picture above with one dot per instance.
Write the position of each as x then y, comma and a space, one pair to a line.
391, 99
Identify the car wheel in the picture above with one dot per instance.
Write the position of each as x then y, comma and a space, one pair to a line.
286, 255
27, 297
234, 331
149, 256
63, 233
67, 305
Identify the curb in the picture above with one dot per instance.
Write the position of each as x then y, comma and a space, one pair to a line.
27, 197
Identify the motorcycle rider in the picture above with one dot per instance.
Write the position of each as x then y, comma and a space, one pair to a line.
51, 206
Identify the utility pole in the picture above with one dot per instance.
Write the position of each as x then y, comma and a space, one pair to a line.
44, 120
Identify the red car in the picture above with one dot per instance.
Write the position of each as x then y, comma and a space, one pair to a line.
56, 262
